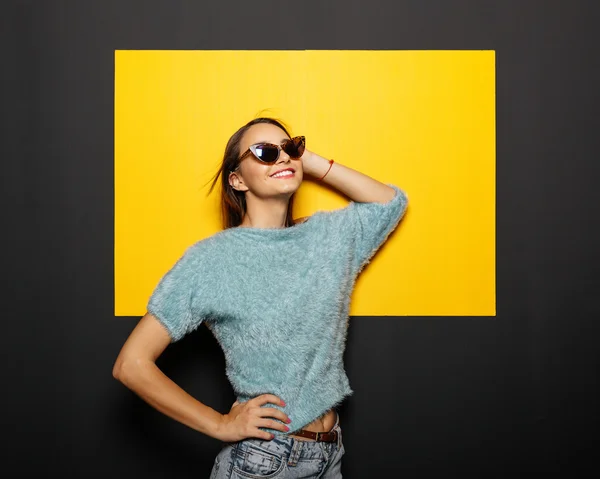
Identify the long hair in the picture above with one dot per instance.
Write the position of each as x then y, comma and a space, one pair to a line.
233, 202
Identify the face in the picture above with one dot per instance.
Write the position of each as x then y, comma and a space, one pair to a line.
256, 176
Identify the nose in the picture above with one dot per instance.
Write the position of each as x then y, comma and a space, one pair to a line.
283, 157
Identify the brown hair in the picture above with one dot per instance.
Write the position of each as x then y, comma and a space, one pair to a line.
233, 202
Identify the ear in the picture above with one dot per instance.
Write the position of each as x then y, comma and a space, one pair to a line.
237, 182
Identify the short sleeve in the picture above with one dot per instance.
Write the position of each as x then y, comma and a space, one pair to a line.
173, 300
371, 223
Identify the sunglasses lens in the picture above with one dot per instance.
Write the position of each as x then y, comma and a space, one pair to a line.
266, 153
294, 147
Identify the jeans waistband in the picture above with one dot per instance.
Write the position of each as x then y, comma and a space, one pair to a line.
304, 435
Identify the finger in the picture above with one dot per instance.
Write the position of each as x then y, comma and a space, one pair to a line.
265, 398
271, 424
264, 435
272, 412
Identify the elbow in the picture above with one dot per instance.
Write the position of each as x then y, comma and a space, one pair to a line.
116, 371
120, 368
125, 370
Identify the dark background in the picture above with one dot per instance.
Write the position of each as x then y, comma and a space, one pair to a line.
510, 396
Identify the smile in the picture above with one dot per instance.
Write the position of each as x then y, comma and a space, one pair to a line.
284, 174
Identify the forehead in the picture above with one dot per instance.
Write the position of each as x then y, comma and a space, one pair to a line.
262, 132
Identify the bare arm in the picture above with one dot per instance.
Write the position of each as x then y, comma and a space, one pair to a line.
135, 367
354, 184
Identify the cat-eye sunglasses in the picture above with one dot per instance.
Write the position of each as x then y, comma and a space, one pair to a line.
269, 153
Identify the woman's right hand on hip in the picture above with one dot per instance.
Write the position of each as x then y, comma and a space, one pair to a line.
244, 419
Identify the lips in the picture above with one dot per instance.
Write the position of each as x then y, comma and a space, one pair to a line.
284, 169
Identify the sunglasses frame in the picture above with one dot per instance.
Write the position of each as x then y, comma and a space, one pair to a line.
285, 143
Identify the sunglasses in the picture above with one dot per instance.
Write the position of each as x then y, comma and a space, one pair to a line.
269, 153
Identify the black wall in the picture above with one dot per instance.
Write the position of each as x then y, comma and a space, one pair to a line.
510, 396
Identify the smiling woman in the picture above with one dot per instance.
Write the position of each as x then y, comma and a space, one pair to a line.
265, 285
251, 197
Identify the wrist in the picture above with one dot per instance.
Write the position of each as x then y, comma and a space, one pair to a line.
216, 427
315, 165
209, 421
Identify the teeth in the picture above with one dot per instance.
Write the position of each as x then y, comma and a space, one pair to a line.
284, 173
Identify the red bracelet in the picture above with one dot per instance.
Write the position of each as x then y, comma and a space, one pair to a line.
330, 165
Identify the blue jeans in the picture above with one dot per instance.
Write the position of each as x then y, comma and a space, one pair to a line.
284, 457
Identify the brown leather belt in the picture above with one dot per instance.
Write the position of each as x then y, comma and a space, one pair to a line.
330, 436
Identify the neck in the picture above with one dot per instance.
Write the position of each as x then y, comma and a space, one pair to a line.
265, 213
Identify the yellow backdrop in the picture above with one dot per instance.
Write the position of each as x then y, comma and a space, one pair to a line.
424, 120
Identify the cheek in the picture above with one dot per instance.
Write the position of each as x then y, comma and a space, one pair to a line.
257, 174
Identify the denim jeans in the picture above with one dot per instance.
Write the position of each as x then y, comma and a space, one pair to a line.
284, 457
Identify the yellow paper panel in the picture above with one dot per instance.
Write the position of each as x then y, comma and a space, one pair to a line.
424, 120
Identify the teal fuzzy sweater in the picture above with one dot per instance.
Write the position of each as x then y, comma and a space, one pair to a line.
277, 301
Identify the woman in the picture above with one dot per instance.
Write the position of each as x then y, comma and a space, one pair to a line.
275, 292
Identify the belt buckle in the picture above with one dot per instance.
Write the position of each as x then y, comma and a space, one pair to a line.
318, 435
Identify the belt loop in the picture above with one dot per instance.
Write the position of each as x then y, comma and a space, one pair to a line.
294, 453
